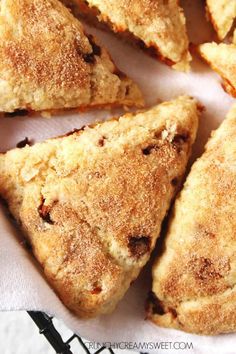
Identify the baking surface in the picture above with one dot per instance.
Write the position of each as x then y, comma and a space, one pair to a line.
21, 283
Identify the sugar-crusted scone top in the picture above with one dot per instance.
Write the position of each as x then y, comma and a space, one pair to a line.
194, 284
156, 24
91, 203
47, 62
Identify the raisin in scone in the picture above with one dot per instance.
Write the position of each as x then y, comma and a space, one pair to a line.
47, 62
157, 26
91, 203
194, 279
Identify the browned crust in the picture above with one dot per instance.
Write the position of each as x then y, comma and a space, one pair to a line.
64, 111
229, 88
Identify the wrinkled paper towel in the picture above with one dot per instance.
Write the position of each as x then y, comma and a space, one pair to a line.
22, 285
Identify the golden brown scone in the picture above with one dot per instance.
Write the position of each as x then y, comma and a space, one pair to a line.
91, 203
47, 62
222, 15
222, 59
157, 26
194, 279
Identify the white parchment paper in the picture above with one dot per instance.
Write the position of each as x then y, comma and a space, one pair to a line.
22, 285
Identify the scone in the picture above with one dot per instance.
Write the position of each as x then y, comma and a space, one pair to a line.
157, 26
91, 203
194, 278
222, 15
47, 62
222, 59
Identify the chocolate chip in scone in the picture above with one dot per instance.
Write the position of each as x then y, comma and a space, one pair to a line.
17, 113
179, 140
101, 141
23, 143
173, 312
96, 289
44, 212
175, 181
139, 245
147, 150
158, 134
89, 58
96, 48
155, 304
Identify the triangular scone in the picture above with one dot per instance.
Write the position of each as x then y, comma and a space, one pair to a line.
48, 63
194, 279
91, 203
222, 59
222, 14
155, 25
